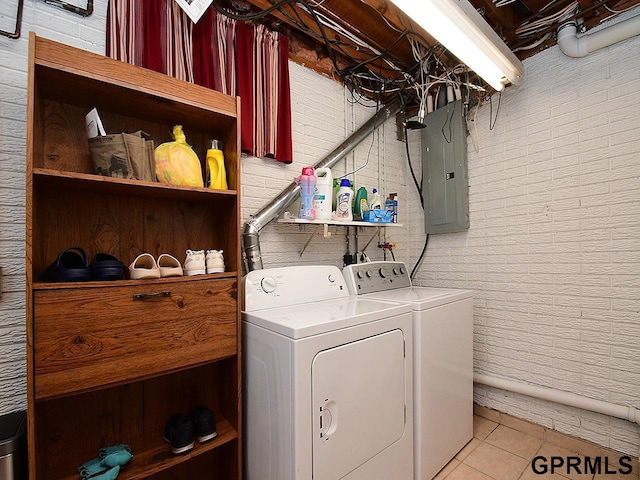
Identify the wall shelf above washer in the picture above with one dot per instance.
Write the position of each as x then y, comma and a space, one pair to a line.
326, 234
338, 222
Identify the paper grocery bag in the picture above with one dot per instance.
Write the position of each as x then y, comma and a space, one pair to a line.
110, 156
124, 155
140, 149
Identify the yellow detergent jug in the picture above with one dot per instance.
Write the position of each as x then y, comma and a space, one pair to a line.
216, 173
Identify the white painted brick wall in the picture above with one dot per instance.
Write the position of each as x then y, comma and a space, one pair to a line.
553, 252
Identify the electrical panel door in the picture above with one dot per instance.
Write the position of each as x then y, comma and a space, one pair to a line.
444, 170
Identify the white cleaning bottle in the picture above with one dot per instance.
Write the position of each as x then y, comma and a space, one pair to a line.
375, 202
323, 197
344, 199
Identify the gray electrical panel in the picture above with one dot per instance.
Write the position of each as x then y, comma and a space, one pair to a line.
444, 170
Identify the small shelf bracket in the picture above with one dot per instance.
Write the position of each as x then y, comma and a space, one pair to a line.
371, 239
304, 247
325, 234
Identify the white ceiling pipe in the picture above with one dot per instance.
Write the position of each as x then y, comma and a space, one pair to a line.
573, 46
565, 398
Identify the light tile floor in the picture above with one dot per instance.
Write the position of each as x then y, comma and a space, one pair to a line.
503, 448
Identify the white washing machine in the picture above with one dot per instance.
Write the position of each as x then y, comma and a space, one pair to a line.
443, 359
328, 379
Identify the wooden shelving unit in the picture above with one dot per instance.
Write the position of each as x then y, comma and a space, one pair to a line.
103, 366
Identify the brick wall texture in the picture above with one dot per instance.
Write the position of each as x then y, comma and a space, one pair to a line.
553, 252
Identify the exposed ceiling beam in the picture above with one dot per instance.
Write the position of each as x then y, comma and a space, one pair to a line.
293, 16
498, 16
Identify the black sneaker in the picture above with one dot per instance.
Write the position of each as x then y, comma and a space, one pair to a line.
204, 422
179, 433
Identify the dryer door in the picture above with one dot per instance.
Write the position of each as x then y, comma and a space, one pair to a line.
358, 403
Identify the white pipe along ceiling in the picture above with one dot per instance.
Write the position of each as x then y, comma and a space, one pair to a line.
573, 46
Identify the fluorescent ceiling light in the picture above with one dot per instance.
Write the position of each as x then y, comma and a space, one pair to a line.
461, 29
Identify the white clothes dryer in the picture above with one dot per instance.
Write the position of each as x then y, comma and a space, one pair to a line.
443, 359
328, 379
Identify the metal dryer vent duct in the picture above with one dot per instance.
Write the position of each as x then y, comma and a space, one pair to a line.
250, 233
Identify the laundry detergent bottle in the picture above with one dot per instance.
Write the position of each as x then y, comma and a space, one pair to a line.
323, 198
361, 204
216, 173
344, 199
307, 182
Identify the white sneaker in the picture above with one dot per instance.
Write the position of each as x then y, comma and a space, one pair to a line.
215, 261
194, 264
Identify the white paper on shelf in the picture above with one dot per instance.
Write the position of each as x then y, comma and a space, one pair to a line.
94, 124
194, 8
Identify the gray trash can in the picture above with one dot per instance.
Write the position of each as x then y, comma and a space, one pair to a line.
13, 446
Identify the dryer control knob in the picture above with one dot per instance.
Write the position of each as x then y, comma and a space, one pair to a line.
268, 284
382, 272
368, 273
360, 274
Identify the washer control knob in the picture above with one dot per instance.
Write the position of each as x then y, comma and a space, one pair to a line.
360, 274
401, 271
395, 271
331, 279
382, 272
268, 284
368, 273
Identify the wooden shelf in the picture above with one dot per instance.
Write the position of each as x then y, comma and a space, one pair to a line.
130, 283
158, 457
122, 186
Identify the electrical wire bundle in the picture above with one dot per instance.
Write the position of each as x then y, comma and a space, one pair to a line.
534, 26
369, 70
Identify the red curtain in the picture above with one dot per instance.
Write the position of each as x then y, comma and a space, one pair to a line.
217, 52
